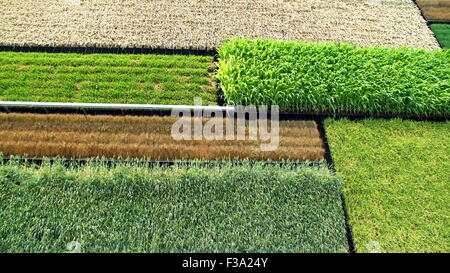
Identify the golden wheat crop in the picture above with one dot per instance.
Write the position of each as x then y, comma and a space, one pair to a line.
436, 10
82, 136
207, 23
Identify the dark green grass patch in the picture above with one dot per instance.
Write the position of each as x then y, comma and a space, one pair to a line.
335, 78
442, 32
106, 78
397, 182
129, 208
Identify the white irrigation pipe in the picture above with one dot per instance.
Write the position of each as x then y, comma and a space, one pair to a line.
110, 106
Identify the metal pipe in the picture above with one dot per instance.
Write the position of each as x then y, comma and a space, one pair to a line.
111, 106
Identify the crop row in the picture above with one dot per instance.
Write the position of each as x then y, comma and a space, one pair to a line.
335, 78
207, 23
153, 79
396, 182
435, 10
80, 136
223, 208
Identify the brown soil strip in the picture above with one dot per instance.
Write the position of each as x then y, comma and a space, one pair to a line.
82, 136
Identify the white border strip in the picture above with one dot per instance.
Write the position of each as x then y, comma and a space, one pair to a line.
111, 106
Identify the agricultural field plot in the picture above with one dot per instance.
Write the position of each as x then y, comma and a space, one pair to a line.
335, 78
80, 136
106, 78
206, 24
435, 10
130, 208
442, 32
396, 182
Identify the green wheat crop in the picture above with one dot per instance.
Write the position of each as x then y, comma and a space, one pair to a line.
106, 78
197, 208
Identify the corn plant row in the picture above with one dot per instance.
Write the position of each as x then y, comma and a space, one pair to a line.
335, 78
206, 24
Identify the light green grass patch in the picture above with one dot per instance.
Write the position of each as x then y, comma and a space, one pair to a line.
397, 182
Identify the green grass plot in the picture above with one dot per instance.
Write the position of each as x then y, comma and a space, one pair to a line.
106, 78
198, 208
396, 182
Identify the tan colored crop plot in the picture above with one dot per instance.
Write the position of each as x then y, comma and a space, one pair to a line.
81, 136
435, 10
207, 23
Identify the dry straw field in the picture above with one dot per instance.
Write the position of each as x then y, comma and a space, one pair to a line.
83, 136
207, 23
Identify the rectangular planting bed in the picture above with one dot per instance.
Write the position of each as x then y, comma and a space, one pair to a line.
435, 10
396, 182
82, 136
106, 78
130, 208
206, 24
334, 78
